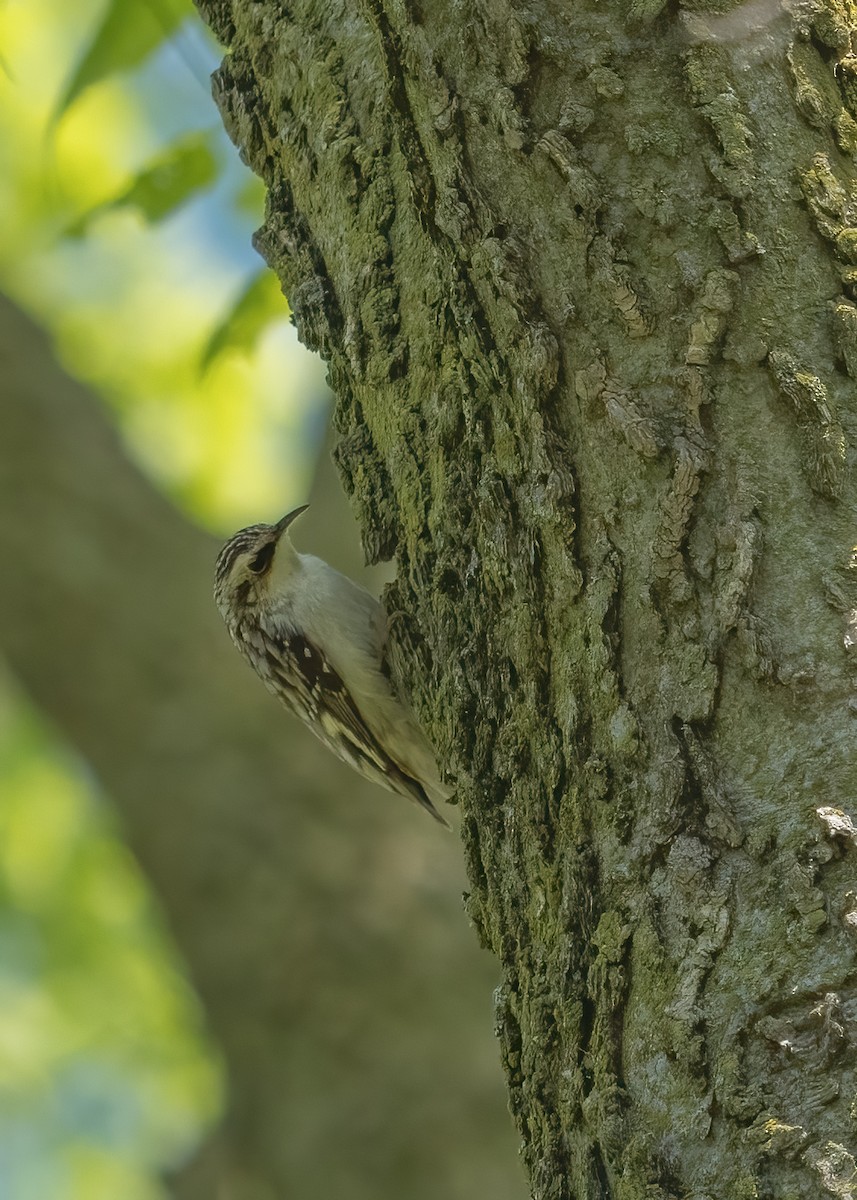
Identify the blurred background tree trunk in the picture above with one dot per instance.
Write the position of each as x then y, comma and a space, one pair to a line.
583, 277
320, 918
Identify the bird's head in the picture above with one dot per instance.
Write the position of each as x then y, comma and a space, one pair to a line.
254, 561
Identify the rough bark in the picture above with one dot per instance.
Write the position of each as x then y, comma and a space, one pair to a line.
319, 918
583, 276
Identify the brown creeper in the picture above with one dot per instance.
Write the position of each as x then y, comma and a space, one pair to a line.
317, 642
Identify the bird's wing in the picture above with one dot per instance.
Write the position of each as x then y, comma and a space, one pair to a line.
304, 677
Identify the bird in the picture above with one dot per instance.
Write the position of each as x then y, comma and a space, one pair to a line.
317, 640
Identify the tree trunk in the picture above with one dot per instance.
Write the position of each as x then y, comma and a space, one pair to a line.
583, 282
319, 917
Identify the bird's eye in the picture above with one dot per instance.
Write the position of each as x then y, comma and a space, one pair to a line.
260, 564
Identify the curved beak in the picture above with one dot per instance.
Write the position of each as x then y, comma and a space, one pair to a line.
284, 522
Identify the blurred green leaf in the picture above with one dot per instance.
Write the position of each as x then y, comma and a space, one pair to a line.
259, 303
250, 197
187, 167
129, 30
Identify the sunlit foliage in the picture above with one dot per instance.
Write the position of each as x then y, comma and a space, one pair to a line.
127, 230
